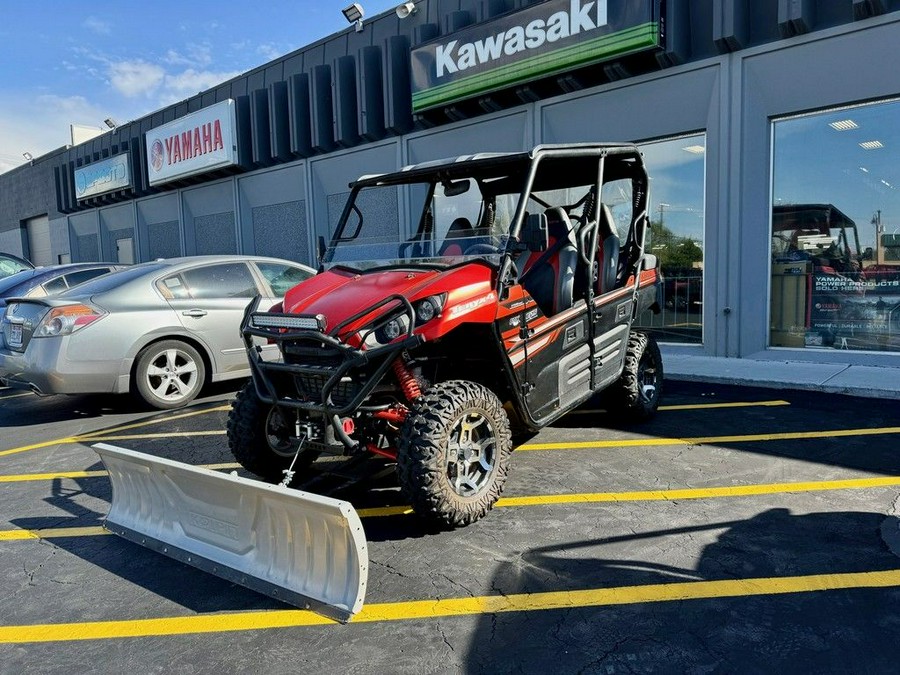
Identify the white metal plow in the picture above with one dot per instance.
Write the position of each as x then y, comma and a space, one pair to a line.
302, 548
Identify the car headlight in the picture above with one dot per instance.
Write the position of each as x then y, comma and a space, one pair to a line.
67, 320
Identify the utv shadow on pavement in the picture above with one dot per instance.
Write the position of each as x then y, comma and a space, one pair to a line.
852, 630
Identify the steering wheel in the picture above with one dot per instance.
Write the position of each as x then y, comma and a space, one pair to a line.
475, 249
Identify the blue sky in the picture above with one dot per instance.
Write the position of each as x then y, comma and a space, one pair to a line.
65, 63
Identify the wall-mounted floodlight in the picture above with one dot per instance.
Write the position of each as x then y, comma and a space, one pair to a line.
110, 122
405, 9
354, 14
28, 156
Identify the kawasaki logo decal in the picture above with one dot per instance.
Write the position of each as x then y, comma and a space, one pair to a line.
545, 39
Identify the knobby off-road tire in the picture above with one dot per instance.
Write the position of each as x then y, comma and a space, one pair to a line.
453, 453
258, 437
168, 374
635, 395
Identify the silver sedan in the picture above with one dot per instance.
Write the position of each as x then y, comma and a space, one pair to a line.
160, 330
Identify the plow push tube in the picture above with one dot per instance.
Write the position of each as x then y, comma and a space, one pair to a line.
303, 549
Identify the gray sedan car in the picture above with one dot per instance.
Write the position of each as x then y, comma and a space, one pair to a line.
159, 329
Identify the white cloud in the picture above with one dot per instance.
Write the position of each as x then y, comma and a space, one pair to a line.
96, 25
189, 82
269, 51
135, 78
40, 124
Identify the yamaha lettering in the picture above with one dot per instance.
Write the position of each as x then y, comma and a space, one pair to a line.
515, 48
198, 142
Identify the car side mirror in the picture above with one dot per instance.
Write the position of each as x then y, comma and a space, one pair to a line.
534, 232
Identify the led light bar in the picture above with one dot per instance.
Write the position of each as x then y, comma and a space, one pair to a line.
283, 321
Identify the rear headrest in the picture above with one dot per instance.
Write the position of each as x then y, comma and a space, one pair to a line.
460, 227
558, 224
606, 227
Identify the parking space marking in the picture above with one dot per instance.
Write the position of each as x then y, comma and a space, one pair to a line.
700, 406
26, 477
450, 607
132, 437
711, 440
159, 420
96, 435
5, 398
52, 533
549, 500
36, 446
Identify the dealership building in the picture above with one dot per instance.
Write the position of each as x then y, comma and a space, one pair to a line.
770, 129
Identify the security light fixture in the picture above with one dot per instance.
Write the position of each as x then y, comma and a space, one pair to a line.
110, 122
28, 156
354, 14
405, 9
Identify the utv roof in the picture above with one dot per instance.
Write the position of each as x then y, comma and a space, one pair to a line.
489, 158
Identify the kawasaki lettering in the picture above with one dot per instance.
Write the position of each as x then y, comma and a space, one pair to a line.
453, 57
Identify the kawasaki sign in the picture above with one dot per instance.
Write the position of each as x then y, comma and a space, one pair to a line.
544, 39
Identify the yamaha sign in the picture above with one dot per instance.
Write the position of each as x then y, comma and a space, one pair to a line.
546, 39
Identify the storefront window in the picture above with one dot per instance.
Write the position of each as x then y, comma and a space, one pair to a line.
677, 179
836, 230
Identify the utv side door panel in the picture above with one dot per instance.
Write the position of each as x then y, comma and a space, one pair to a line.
553, 363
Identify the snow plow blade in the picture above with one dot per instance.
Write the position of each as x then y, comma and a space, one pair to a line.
301, 548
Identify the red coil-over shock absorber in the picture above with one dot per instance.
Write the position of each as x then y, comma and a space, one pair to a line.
408, 382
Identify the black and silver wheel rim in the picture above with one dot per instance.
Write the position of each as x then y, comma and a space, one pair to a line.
278, 434
648, 378
471, 454
172, 375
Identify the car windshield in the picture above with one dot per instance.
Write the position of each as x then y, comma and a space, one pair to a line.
112, 280
10, 265
453, 218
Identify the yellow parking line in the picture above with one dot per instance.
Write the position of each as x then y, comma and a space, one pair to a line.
26, 477
701, 406
570, 498
52, 533
27, 393
448, 607
45, 444
131, 437
710, 440
160, 420
95, 435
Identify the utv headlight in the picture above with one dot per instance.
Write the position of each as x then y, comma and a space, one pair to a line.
391, 330
429, 308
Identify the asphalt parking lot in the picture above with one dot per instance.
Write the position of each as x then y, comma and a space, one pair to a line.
742, 530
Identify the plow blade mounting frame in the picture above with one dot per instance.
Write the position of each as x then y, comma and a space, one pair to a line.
301, 548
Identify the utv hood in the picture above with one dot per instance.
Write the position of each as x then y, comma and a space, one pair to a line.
339, 294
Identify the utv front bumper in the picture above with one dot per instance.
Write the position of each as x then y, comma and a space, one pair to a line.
320, 372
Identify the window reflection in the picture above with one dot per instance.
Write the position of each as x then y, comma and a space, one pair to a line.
677, 180
836, 230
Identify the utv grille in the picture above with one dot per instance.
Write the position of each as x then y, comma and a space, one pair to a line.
310, 385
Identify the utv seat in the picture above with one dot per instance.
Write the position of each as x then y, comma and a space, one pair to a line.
549, 276
460, 228
607, 252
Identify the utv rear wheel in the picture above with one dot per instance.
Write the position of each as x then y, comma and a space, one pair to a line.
635, 395
454, 451
261, 437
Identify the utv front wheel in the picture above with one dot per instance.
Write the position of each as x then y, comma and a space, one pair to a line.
261, 437
454, 451
635, 395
